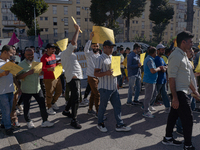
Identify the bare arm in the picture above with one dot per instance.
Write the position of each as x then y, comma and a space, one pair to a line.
75, 37
22, 76
5, 73
98, 73
153, 70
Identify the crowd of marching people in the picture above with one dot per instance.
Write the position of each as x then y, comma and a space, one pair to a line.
165, 73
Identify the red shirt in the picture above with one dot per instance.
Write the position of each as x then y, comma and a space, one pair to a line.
48, 62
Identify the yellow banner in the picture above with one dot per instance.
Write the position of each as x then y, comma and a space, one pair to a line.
102, 34
12, 67
62, 44
198, 67
58, 71
142, 57
75, 23
165, 59
115, 65
37, 66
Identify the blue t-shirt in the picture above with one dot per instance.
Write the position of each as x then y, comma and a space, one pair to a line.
148, 76
159, 61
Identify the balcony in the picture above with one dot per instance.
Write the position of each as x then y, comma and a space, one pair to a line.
59, 1
13, 23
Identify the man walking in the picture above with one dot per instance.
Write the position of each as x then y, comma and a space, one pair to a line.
93, 81
134, 75
30, 86
53, 86
108, 88
73, 74
179, 82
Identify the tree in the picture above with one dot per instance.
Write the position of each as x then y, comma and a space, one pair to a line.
190, 15
105, 13
160, 14
198, 2
134, 9
24, 11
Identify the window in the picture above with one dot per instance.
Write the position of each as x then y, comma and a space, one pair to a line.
136, 32
9, 4
5, 18
142, 24
46, 29
55, 32
171, 35
41, 18
171, 26
78, 11
165, 33
78, 21
142, 34
86, 19
55, 21
136, 22
133, 21
54, 9
41, 29
133, 31
77, 1
66, 21
65, 10
10, 17
66, 33
197, 21
143, 15
15, 18
46, 18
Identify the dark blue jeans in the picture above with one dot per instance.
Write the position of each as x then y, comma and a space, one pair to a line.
113, 96
6, 102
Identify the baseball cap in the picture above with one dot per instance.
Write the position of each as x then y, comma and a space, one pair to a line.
108, 43
49, 45
160, 46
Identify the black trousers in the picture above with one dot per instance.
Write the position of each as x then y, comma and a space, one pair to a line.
41, 101
87, 91
75, 87
185, 114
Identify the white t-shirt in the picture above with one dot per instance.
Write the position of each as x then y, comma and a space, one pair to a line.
70, 64
6, 82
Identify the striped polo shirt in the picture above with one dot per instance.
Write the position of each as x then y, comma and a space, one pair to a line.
91, 59
106, 82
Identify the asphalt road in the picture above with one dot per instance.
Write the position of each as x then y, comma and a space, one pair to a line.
146, 134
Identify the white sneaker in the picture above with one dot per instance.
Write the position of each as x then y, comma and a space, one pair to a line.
20, 107
167, 109
55, 107
51, 111
151, 108
83, 104
148, 115
47, 124
102, 127
30, 125
122, 128
86, 100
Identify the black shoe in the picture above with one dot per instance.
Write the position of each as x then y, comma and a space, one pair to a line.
189, 147
171, 141
75, 124
2, 126
196, 110
67, 113
9, 131
137, 103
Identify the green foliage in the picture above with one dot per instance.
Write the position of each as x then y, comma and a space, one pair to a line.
160, 14
105, 13
170, 41
134, 9
31, 31
198, 2
24, 10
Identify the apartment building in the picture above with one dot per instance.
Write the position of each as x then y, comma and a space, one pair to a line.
57, 24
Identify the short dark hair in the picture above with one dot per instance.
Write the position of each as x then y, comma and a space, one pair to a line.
121, 49
183, 36
93, 43
136, 45
128, 48
167, 51
6, 48
152, 50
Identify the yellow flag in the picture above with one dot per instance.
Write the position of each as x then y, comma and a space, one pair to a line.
58, 71
165, 59
199, 46
198, 67
115, 65
75, 23
102, 34
142, 56
175, 43
37, 66
62, 44
12, 67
